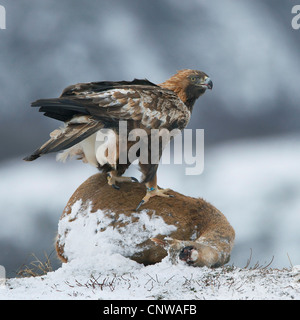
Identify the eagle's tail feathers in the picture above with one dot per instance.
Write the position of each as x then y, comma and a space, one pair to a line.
62, 139
32, 157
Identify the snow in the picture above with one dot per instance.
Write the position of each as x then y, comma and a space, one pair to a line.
255, 183
114, 277
94, 230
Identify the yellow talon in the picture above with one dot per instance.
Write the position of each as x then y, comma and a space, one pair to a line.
113, 178
152, 192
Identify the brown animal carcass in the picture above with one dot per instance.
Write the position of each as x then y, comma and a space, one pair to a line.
100, 218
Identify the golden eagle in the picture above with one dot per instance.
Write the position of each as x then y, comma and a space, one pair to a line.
87, 108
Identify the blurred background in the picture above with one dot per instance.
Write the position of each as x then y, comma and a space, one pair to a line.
250, 118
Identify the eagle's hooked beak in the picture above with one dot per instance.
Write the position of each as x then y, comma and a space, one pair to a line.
208, 84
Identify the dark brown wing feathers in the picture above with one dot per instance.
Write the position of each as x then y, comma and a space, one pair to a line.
104, 86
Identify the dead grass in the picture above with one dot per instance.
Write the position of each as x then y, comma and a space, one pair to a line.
36, 267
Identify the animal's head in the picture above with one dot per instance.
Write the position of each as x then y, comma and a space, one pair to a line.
189, 85
194, 81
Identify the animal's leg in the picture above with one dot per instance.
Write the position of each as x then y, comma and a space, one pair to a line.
112, 178
195, 253
152, 191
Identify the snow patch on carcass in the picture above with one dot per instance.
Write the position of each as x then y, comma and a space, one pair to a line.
86, 233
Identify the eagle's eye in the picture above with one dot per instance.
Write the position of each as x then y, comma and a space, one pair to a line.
193, 79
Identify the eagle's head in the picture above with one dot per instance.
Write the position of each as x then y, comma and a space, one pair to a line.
189, 85
197, 79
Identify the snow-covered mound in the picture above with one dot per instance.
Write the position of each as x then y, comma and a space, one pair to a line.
118, 278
